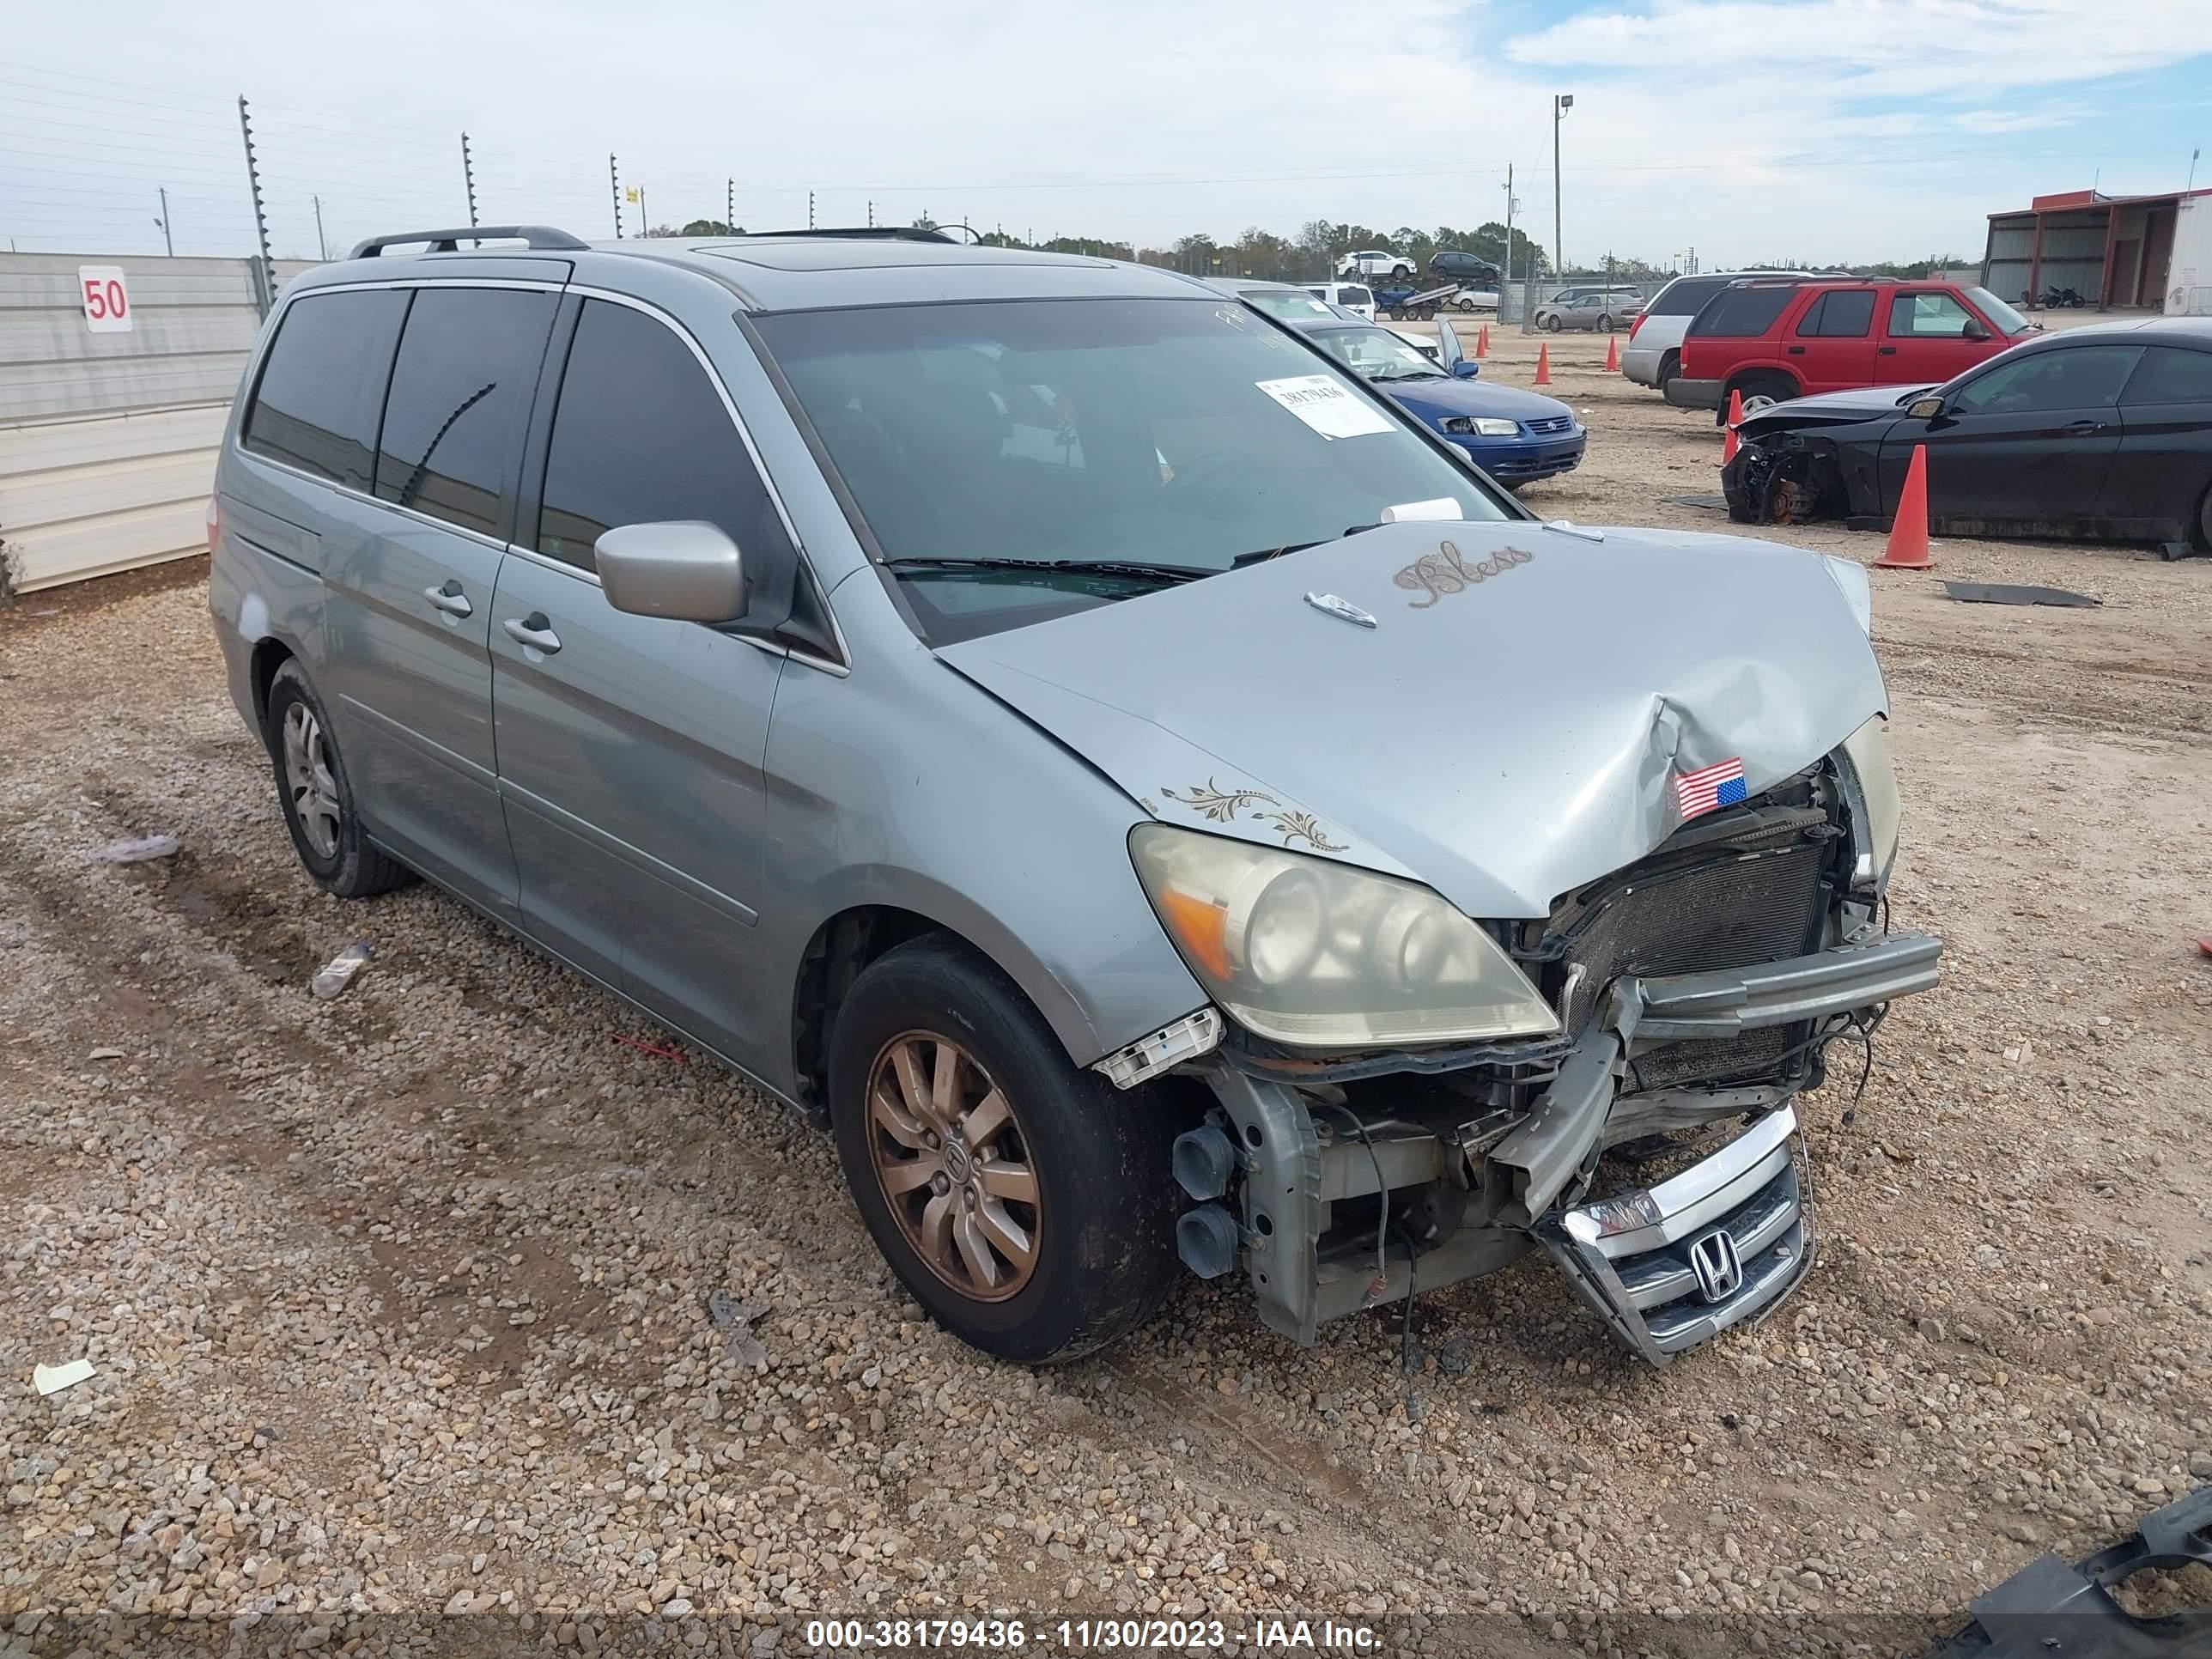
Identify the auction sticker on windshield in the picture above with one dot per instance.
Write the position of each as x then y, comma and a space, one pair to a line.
1326, 404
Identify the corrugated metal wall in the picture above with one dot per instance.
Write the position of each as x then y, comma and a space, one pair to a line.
2189, 271
2005, 264
107, 440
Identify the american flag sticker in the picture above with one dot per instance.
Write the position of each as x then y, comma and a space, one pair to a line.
1720, 784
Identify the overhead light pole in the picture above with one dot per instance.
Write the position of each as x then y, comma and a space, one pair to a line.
1561, 103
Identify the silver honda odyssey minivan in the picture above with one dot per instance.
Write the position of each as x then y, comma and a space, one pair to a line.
1156, 806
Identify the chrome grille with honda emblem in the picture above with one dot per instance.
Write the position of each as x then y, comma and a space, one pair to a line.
1671, 1265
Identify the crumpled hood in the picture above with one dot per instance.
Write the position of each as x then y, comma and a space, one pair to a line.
1861, 404
1502, 739
1434, 400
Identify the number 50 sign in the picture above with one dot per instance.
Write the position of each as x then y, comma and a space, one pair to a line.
107, 301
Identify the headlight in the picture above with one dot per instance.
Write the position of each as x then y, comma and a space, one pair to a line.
1316, 955
1877, 808
1469, 426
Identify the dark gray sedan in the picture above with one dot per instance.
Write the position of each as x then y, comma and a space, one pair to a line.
2102, 432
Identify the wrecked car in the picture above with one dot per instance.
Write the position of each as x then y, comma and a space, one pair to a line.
1159, 805
2100, 433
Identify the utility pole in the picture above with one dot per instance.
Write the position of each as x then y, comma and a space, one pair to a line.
469, 178
730, 207
644, 219
267, 297
614, 186
1561, 103
872, 213
322, 242
810, 209
168, 242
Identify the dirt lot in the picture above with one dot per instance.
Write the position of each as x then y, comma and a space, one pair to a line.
399, 1303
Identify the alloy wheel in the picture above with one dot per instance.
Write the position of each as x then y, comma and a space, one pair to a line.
953, 1164
309, 780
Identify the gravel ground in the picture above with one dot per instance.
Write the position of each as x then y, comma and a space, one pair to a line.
399, 1304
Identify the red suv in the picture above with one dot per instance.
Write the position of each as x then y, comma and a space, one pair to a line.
1774, 340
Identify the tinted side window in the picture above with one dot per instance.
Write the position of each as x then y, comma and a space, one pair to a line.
322, 389
460, 392
1737, 312
2083, 377
641, 435
1840, 313
2169, 376
1684, 298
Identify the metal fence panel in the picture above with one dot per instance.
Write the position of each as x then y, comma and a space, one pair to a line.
108, 440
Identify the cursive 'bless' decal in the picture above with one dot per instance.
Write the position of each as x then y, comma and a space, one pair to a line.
1445, 571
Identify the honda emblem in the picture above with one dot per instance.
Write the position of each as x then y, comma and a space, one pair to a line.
1713, 1259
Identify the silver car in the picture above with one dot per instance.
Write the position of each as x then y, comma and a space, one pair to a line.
1602, 309
1156, 806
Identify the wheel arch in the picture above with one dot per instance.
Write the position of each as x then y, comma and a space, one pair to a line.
883, 909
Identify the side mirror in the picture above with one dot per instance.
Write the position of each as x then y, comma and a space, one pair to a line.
1466, 369
1973, 330
1925, 408
685, 569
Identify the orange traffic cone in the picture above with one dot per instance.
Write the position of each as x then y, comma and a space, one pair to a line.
1736, 417
1543, 365
1908, 531
1612, 353
1482, 341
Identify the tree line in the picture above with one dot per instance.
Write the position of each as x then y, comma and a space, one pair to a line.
1320, 248
1317, 251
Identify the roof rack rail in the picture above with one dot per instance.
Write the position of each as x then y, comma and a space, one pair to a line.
449, 241
864, 232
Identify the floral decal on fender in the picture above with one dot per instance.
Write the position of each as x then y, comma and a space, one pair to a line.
1210, 800
1445, 571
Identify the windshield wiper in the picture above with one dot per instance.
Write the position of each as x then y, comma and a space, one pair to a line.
1136, 568
1267, 553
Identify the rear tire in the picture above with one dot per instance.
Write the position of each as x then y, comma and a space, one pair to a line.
317, 794
1670, 365
1037, 1227
2203, 536
1551, 325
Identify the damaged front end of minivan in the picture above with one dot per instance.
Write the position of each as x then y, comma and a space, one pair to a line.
1651, 1148
1544, 967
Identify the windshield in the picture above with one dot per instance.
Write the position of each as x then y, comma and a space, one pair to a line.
1167, 432
1290, 304
2005, 319
1375, 354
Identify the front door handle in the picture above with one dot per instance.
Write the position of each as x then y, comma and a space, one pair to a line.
450, 599
1796, 351
1887, 351
534, 630
2085, 426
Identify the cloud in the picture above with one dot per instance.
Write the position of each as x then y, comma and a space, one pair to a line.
1744, 128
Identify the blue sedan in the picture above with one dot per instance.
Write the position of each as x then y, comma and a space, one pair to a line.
1515, 436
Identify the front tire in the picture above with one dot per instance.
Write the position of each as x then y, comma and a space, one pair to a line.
1027, 1204
316, 793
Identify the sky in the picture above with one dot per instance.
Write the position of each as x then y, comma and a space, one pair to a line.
1830, 129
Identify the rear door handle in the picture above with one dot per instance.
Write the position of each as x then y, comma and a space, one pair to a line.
1796, 351
534, 630
450, 599
1887, 351
2085, 426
